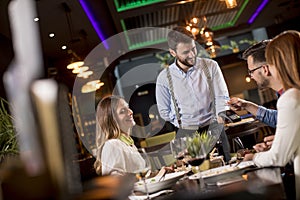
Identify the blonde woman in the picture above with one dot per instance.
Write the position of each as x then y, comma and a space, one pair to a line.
283, 59
116, 152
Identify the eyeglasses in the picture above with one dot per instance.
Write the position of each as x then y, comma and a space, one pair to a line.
253, 70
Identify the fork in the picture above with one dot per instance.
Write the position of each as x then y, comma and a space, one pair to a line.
161, 174
239, 142
238, 162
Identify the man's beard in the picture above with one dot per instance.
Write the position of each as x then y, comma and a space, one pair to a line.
185, 62
264, 84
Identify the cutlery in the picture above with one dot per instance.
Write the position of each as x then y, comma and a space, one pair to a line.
239, 142
143, 197
237, 163
161, 174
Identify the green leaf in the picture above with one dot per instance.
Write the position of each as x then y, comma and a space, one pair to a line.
8, 139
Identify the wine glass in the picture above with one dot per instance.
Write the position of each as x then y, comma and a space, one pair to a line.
143, 171
179, 148
197, 151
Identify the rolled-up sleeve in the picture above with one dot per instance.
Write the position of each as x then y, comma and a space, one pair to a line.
220, 89
267, 116
163, 97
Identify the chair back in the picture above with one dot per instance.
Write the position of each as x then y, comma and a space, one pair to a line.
158, 139
159, 150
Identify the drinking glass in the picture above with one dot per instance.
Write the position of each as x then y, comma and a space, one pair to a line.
197, 151
144, 171
179, 150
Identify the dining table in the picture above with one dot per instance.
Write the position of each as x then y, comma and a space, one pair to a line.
247, 183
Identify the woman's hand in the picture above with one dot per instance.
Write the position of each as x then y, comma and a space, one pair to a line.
269, 140
266, 145
248, 156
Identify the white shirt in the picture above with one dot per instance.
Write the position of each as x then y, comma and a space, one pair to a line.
192, 93
120, 158
286, 144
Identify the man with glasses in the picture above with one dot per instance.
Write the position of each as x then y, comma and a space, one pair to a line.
259, 71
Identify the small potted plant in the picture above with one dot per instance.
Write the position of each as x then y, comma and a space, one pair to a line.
233, 46
8, 140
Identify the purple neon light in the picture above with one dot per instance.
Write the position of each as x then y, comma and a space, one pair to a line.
94, 23
258, 10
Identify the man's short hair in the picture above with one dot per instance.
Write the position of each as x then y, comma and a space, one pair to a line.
257, 51
179, 35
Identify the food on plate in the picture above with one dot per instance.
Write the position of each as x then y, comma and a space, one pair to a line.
219, 171
226, 169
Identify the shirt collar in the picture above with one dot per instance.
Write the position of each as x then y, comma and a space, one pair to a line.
280, 92
126, 139
181, 71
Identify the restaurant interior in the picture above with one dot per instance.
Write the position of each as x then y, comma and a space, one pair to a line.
81, 51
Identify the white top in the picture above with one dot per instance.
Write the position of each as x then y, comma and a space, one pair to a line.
120, 158
286, 144
192, 93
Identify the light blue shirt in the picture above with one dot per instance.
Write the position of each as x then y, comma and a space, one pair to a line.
267, 116
192, 93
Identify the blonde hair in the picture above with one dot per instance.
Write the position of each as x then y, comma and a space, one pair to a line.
106, 126
284, 53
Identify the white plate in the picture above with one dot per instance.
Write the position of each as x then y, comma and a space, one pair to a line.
222, 170
154, 185
143, 197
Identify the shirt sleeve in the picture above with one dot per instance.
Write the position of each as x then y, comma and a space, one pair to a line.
267, 116
220, 88
163, 97
119, 158
287, 138
112, 159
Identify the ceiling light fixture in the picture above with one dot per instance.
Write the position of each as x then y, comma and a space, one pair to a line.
230, 4
85, 74
247, 78
204, 35
75, 65
198, 27
80, 70
91, 86
213, 48
193, 26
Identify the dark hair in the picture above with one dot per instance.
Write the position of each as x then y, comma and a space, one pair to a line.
257, 51
179, 35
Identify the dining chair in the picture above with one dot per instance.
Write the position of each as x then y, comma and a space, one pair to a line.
159, 150
158, 139
251, 133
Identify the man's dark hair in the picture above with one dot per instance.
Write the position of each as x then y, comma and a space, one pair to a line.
257, 51
179, 35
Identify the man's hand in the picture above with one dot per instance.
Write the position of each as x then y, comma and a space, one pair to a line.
237, 104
